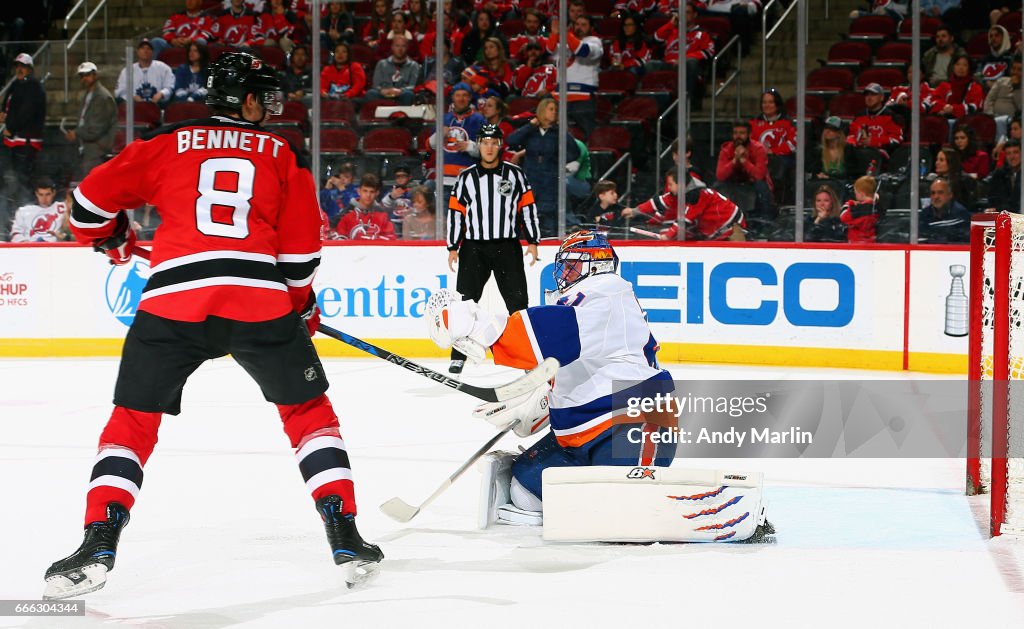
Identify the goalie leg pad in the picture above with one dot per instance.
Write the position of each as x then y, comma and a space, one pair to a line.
495, 484
652, 504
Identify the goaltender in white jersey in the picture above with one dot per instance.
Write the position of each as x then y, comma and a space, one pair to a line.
599, 334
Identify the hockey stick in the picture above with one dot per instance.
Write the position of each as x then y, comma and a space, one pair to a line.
402, 511
644, 232
524, 384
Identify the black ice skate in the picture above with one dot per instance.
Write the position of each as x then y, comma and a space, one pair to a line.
456, 366
86, 569
359, 558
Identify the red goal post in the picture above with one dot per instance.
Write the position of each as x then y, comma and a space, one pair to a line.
995, 435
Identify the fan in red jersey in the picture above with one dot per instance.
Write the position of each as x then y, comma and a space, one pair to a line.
232, 272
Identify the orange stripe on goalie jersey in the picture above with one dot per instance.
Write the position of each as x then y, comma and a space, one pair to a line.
513, 347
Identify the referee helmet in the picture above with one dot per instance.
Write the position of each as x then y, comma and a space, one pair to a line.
490, 131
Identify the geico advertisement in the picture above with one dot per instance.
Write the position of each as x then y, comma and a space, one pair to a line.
715, 295
817, 298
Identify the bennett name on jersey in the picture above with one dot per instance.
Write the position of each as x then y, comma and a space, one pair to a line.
219, 139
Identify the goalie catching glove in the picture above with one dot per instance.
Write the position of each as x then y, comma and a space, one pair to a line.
529, 412
463, 325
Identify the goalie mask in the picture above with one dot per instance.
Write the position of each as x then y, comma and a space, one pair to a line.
234, 75
582, 254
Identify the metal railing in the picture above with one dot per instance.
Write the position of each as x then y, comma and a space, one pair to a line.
736, 75
657, 140
82, 30
628, 159
766, 34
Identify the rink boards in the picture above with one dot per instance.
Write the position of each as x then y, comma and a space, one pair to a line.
885, 307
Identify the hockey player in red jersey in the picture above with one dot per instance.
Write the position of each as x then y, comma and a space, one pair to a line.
232, 271
709, 215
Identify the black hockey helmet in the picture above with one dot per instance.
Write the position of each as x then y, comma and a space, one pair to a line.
490, 131
235, 74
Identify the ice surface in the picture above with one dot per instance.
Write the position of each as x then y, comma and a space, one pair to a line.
224, 533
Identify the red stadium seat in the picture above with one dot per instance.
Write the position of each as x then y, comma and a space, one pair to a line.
888, 78
337, 112
636, 110
896, 54
814, 106
603, 108
272, 55
928, 27
829, 81
293, 115
364, 55
1011, 22
390, 141
718, 27
659, 82
984, 128
616, 83
293, 135
147, 114
847, 105
599, 8
176, 112
653, 23
216, 50
610, 138
934, 130
977, 46
872, 28
522, 105
340, 141
848, 54
174, 56
511, 28
368, 113
608, 28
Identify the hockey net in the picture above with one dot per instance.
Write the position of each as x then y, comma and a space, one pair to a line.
995, 459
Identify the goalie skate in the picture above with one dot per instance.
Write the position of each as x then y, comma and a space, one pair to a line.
86, 569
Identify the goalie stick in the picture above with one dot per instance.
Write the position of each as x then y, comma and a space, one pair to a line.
401, 511
524, 384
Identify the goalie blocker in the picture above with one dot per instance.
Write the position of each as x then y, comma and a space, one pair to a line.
653, 504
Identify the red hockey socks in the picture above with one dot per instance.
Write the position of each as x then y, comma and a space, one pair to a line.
125, 445
312, 428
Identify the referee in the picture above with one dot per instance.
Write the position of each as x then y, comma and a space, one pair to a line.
483, 211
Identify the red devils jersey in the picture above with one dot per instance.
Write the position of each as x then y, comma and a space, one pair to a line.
532, 82
879, 130
240, 237
195, 27
373, 225
235, 30
778, 136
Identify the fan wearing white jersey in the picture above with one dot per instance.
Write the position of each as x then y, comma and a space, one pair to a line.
40, 221
601, 338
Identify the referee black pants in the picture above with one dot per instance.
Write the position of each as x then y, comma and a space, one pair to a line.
478, 259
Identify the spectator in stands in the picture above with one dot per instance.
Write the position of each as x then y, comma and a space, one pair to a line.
700, 48
1004, 182
181, 29
974, 161
709, 215
22, 114
944, 220
399, 29
375, 30
398, 201
939, 57
862, 213
452, 71
946, 10
236, 26
153, 80
1013, 133
395, 77
772, 128
876, 127
421, 223
256, 6
742, 16
483, 29
539, 157
744, 160
586, 52
834, 158
281, 27
537, 77
97, 120
493, 75
629, 50
899, 99
501, 9
338, 192
190, 77
365, 218
461, 125
824, 225
344, 79
606, 210
495, 111
418, 17
40, 221
1003, 98
643, 8
997, 62
336, 26
948, 167
960, 95
533, 33
297, 78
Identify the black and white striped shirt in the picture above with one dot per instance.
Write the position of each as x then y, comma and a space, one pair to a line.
486, 202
